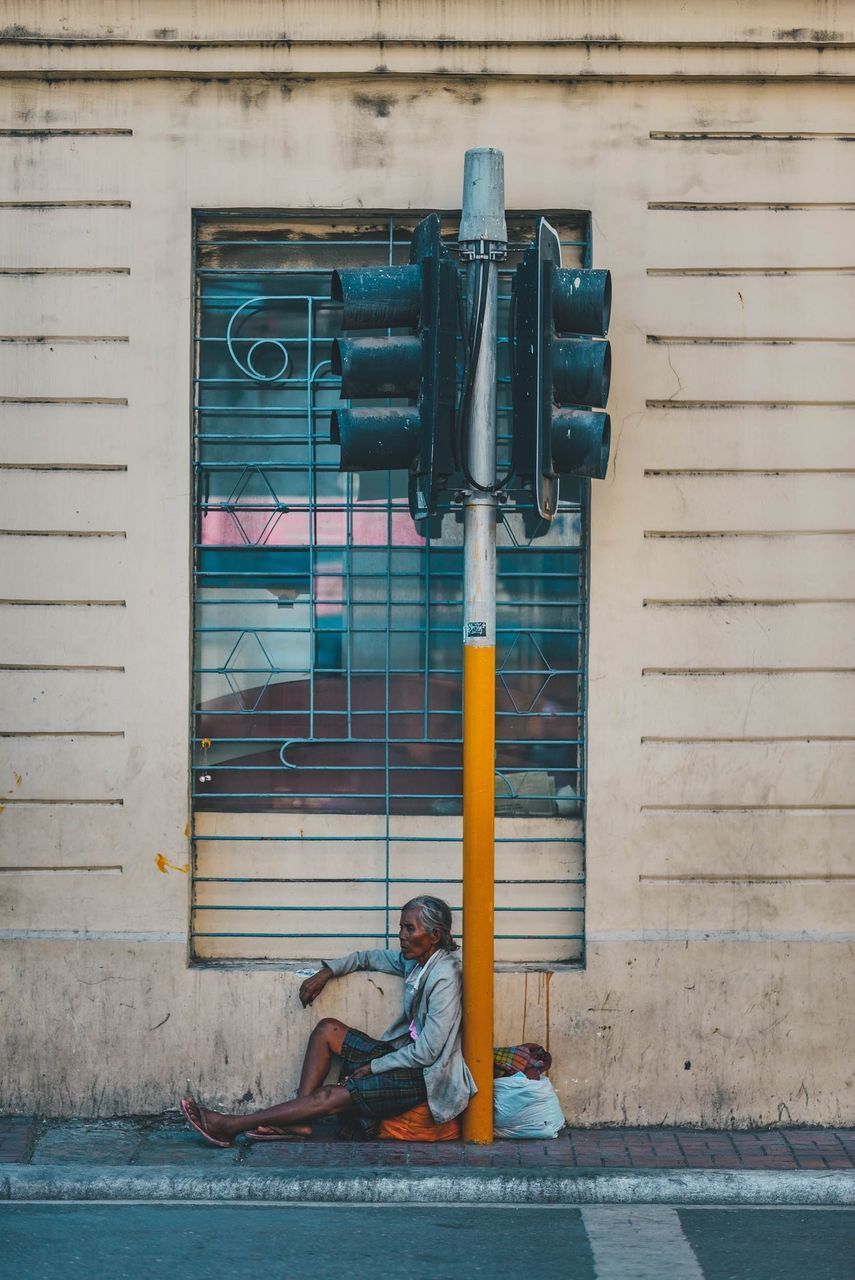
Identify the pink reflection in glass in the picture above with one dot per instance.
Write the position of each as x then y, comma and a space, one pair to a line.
255, 526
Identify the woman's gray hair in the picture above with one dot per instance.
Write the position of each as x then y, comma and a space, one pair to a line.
434, 914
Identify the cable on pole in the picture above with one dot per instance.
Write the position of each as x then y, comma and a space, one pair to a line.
474, 334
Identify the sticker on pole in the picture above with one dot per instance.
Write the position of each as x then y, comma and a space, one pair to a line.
475, 629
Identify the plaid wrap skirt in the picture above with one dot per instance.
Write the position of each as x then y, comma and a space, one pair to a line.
390, 1093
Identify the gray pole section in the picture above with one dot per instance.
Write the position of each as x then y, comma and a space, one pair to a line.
483, 241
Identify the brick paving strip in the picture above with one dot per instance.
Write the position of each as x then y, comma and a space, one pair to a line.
164, 1141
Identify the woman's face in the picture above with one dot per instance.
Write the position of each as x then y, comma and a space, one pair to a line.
417, 943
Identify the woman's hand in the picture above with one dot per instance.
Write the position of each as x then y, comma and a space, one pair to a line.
364, 1070
312, 987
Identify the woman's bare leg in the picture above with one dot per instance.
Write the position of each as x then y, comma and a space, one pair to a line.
326, 1039
328, 1100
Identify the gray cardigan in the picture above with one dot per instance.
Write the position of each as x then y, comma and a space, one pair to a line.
438, 1013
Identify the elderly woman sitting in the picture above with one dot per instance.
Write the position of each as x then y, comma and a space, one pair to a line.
419, 1058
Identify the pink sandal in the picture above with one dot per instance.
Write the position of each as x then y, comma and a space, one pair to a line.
198, 1125
257, 1136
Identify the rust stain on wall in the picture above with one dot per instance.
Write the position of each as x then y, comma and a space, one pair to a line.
163, 864
549, 977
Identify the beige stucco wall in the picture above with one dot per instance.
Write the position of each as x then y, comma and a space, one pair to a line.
720, 818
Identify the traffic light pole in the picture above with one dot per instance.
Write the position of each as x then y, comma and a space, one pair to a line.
559, 372
483, 240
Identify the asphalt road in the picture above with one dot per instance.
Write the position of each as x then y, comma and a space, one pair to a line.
63, 1241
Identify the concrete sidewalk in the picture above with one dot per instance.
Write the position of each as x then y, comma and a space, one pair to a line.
157, 1158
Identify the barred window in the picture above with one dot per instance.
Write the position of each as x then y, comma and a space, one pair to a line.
328, 634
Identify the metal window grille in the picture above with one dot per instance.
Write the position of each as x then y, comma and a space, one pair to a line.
326, 742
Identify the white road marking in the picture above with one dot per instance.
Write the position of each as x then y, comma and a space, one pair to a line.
639, 1242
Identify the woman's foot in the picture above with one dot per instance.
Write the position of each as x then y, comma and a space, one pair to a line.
275, 1133
211, 1125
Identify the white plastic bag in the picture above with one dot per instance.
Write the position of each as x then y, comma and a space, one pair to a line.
524, 1108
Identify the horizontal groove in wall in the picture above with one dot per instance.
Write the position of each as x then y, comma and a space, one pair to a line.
384, 41
60, 800
683, 936
64, 204
683, 535
684, 340
692, 672
63, 533
714, 472
47, 339
672, 273
63, 466
748, 135
115, 869
806, 878
720, 602
728, 741
63, 604
65, 271
39, 135
120, 401
60, 666
749, 404
746, 206
62, 733
747, 808
91, 935
531, 75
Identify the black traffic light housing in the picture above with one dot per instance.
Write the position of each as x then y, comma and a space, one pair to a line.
560, 371
419, 367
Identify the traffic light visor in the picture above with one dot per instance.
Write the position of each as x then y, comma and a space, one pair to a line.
373, 368
582, 301
378, 297
375, 439
580, 441
581, 371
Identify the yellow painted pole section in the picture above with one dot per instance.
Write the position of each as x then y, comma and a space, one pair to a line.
479, 749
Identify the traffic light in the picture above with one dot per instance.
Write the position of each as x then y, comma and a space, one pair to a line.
418, 367
560, 371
